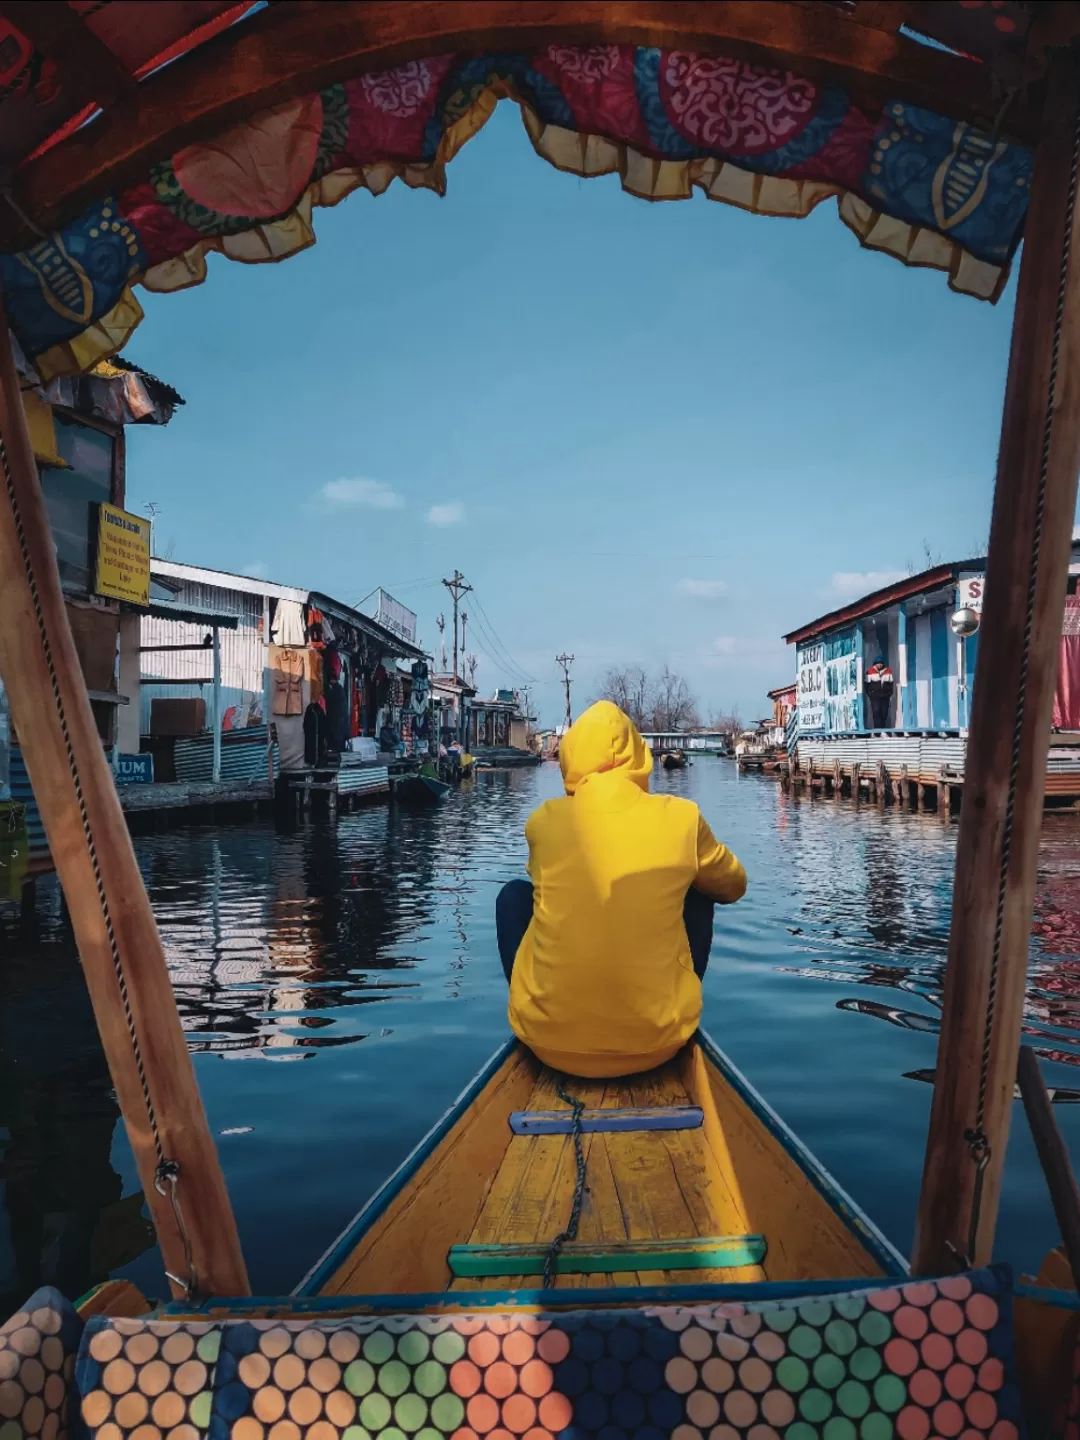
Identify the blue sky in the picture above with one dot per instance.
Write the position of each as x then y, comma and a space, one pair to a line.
645, 433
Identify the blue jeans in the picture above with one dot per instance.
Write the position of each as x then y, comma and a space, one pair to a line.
514, 908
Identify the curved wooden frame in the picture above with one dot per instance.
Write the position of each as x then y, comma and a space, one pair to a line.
292, 49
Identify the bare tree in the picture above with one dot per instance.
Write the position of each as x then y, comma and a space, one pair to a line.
726, 722
627, 687
673, 706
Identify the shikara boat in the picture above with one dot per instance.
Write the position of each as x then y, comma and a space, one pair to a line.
421, 790
674, 760
691, 1180
142, 137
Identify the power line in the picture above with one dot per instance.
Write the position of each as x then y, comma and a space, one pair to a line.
502, 663
510, 659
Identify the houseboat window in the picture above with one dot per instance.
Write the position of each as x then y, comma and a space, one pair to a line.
72, 497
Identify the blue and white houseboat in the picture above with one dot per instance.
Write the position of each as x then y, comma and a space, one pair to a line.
887, 680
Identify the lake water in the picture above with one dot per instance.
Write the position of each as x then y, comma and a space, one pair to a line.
340, 985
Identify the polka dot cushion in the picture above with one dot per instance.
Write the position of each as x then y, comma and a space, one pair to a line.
37, 1360
920, 1360
147, 1378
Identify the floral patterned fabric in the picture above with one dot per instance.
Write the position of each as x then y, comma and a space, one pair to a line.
913, 1361
927, 189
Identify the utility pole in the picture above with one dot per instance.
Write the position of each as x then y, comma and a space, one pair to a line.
464, 624
457, 588
566, 661
441, 623
471, 664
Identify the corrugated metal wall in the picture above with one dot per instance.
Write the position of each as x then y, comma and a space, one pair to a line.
243, 756
40, 858
924, 755
363, 780
243, 655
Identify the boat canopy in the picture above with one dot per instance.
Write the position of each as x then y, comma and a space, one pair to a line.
140, 138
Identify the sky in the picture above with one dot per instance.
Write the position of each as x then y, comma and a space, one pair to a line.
646, 433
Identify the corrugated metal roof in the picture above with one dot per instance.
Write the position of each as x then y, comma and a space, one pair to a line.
887, 595
165, 610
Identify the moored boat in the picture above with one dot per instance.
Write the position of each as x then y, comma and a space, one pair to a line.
421, 790
674, 760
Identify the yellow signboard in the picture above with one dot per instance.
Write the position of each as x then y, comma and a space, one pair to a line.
123, 556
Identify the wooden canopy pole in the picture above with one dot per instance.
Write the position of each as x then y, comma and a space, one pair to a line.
114, 926
1005, 773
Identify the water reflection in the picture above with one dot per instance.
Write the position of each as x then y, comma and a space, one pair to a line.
366, 950
65, 1221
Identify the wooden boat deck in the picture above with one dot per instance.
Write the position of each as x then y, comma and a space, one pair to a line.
478, 1184
643, 1185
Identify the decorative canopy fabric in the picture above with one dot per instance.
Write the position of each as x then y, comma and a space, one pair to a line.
928, 190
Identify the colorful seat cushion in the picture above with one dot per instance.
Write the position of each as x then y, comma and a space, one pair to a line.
922, 1359
37, 1359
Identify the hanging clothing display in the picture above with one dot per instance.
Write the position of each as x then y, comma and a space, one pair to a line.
1067, 690
315, 634
314, 674
288, 627
879, 685
287, 669
290, 742
314, 735
337, 703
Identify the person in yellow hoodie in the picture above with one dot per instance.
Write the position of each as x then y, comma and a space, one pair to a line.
605, 945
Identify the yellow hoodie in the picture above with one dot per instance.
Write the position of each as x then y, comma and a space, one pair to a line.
603, 983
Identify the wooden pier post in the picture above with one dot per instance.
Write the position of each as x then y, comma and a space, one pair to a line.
838, 779
1005, 774
884, 785
905, 788
114, 926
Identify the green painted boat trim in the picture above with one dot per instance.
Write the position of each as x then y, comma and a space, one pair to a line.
722, 1252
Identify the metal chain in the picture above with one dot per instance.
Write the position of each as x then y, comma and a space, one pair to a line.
570, 1233
977, 1140
167, 1171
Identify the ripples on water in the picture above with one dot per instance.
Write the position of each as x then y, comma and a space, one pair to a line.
340, 985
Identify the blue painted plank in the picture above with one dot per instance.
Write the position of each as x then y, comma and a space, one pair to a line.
939, 670
561, 1122
911, 704
599, 1297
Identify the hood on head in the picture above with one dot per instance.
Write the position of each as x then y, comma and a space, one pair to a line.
601, 740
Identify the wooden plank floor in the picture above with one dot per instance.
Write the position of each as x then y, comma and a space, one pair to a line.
644, 1185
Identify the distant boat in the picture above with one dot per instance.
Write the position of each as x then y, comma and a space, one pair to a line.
674, 760
421, 790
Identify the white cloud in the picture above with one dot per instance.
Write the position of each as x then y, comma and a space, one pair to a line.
257, 569
724, 645
851, 584
702, 589
373, 494
452, 513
